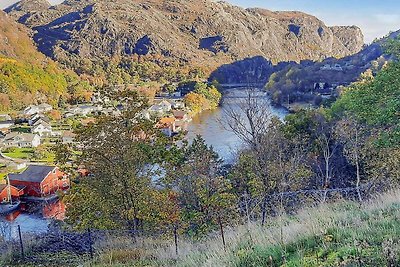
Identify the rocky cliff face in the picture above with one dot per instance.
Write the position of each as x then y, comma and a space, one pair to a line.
195, 31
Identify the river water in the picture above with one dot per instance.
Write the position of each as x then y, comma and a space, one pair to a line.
210, 124
35, 218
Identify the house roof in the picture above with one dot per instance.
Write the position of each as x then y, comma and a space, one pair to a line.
68, 134
34, 173
167, 121
2, 187
6, 122
179, 113
27, 137
43, 123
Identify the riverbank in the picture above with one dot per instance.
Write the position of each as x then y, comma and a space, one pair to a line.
210, 124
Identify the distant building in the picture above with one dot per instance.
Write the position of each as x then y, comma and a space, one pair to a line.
42, 128
38, 118
6, 124
167, 126
15, 191
335, 67
15, 139
82, 110
181, 115
5, 117
39, 109
40, 180
68, 137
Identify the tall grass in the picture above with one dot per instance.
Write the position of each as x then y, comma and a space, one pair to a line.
339, 234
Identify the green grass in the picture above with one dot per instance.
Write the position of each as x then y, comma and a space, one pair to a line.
342, 234
3, 178
28, 154
20, 153
22, 129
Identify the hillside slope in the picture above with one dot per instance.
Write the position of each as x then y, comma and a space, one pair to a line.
343, 234
198, 32
26, 75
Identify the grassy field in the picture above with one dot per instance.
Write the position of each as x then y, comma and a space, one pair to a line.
20, 153
342, 234
28, 154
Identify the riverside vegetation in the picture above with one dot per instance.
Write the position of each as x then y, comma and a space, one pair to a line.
179, 204
160, 191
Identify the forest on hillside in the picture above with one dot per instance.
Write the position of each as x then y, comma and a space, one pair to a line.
151, 184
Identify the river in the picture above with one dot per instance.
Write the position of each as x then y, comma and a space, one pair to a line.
35, 218
209, 124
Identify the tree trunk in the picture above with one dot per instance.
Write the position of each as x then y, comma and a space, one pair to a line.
264, 211
358, 180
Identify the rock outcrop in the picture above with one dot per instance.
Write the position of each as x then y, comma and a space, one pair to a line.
201, 32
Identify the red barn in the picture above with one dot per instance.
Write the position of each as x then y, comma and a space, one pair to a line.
40, 181
16, 192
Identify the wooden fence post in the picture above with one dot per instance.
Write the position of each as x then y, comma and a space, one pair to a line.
90, 243
21, 243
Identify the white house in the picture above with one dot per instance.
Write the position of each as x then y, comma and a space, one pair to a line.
6, 124
30, 110
83, 110
177, 104
42, 129
15, 139
161, 108
165, 105
42, 108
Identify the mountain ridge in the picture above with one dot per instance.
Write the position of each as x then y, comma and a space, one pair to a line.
205, 32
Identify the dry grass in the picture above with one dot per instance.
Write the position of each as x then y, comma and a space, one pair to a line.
329, 230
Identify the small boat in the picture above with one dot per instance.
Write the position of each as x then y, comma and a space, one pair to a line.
9, 207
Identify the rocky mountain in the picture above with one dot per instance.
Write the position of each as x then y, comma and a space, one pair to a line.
201, 32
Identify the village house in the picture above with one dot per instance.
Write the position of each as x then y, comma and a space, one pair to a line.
165, 105
42, 128
335, 67
167, 126
177, 104
15, 139
5, 117
83, 110
6, 124
181, 115
68, 137
15, 191
37, 118
37, 109
40, 181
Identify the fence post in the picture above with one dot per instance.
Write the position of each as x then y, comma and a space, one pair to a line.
20, 242
90, 243
176, 239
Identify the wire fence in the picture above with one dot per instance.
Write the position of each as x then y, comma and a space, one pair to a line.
60, 247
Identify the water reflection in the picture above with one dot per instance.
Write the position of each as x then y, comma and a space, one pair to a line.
209, 124
32, 217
